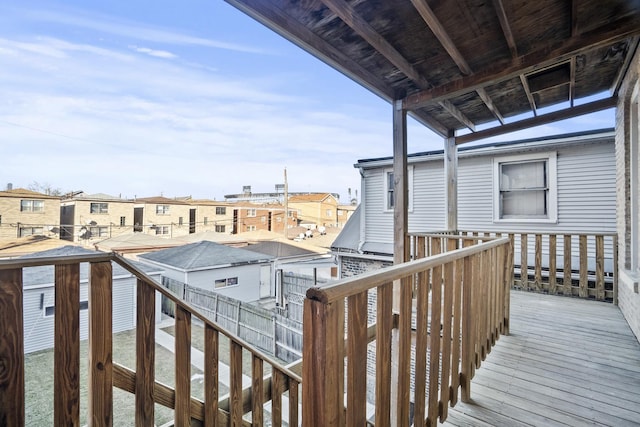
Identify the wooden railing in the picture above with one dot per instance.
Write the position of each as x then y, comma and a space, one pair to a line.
104, 374
580, 265
453, 306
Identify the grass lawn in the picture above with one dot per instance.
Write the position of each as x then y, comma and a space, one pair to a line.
39, 383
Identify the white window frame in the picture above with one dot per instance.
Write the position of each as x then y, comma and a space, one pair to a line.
552, 185
29, 205
225, 283
385, 177
99, 231
251, 213
49, 310
162, 209
100, 208
221, 210
162, 230
220, 228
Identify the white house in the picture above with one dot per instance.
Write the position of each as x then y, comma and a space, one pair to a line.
39, 298
560, 184
233, 272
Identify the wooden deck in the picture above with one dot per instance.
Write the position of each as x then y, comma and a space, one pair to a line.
566, 362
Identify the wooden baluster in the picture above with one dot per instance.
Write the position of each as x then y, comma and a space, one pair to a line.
434, 342
145, 354
422, 324
455, 340
468, 328
100, 392
552, 265
524, 266
584, 267
293, 402
66, 388
11, 348
257, 389
323, 374
183, 367
384, 326
211, 355
538, 263
404, 349
600, 268
277, 386
445, 373
235, 382
357, 359
567, 286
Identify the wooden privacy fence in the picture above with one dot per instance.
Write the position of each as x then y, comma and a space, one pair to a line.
277, 332
580, 265
453, 307
104, 374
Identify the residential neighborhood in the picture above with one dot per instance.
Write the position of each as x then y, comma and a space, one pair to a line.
482, 270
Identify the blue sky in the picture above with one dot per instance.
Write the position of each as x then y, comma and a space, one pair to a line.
141, 98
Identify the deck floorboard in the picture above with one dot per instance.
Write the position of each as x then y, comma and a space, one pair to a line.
566, 362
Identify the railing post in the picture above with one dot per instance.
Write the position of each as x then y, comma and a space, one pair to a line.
145, 354
100, 394
66, 373
11, 349
183, 367
468, 327
323, 369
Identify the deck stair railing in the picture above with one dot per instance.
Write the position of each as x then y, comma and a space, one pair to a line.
104, 373
357, 359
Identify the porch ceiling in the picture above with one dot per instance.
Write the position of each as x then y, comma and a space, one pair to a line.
457, 64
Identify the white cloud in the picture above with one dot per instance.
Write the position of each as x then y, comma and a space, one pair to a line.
132, 29
154, 52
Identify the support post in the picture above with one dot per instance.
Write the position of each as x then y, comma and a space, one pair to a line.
400, 193
451, 176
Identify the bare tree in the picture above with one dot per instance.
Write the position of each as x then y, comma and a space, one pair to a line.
45, 188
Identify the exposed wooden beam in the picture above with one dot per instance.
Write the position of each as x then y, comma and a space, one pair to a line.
555, 116
506, 28
358, 24
490, 105
442, 35
554, 53
525, 86
633, 46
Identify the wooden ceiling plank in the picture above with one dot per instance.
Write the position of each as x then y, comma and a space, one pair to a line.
525, 87
358, 24
554, 53
574, 18
555, 116
441, 34
506, 28
447, 43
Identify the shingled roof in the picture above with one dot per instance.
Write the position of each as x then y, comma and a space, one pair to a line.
204, 255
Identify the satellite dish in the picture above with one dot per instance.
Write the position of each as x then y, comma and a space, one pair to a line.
54, 230
92, 223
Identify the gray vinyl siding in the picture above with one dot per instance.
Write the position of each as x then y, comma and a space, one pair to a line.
429, 209
247, 290
586, 196
39, 329
379, 223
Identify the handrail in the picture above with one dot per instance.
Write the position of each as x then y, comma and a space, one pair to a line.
104, 373
354, 285
453, 306
125, 263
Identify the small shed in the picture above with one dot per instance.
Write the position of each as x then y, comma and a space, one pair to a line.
233, 272
39, 298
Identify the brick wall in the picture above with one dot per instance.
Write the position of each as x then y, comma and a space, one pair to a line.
352, 266
628, 296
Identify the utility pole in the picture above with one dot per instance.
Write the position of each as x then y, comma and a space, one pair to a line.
286, 204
